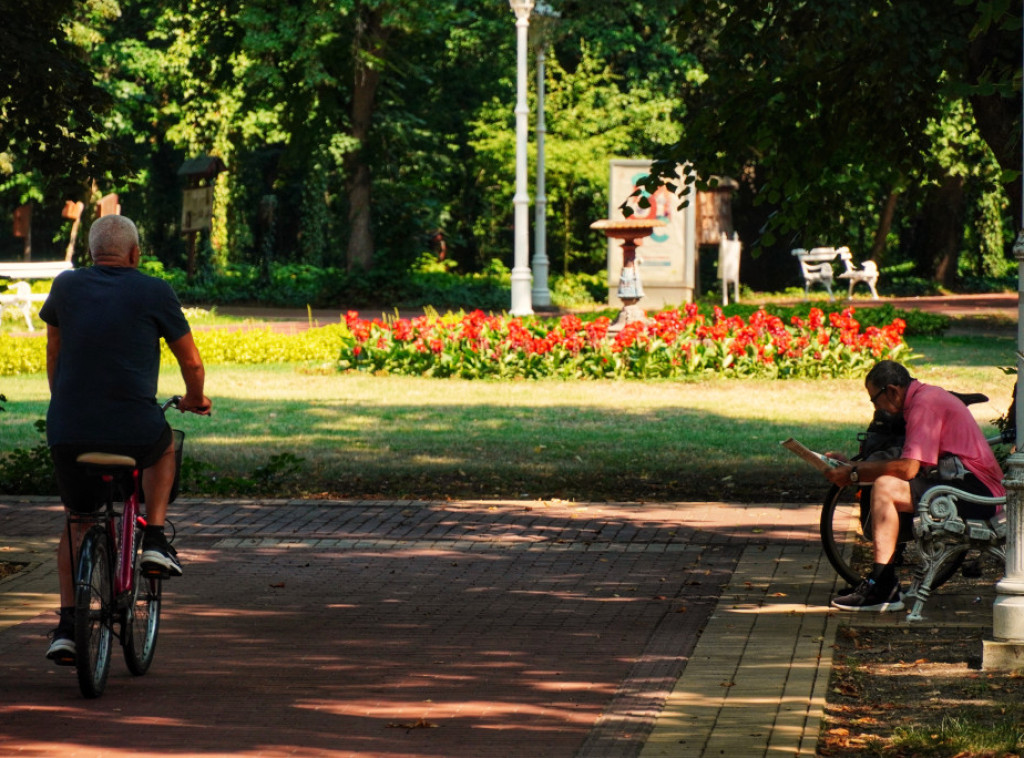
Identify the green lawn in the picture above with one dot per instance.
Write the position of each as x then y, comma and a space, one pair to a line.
410, 437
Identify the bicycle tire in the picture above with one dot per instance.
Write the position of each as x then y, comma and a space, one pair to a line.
846, 539
94, 613
142, 617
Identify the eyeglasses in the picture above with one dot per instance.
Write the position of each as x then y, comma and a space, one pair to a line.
878, 394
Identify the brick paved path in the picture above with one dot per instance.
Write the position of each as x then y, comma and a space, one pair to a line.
383, 628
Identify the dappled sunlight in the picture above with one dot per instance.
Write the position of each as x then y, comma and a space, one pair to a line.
482, 713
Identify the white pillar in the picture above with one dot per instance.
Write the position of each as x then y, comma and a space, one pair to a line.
1006, 650
541, 293
521, 304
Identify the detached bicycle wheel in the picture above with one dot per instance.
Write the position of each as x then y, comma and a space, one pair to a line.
142, 619
846, 539
94, 613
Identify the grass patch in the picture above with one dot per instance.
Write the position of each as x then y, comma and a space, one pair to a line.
352, 435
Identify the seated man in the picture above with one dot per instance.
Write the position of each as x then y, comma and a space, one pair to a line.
939, 426
104, 325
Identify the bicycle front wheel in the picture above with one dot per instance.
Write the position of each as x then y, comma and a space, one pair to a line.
94, 613
142, 618
845, 534
845, 529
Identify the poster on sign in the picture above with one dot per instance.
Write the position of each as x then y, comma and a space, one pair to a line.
667, 258
197, 209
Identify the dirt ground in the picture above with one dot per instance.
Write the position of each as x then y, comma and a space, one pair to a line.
919, 692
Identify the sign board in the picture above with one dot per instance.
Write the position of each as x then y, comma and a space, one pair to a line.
23, 221
108, 205
197, 209
667, 259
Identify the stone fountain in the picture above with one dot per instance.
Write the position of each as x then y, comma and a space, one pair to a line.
631, 231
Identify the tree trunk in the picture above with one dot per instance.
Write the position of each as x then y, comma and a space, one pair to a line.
940, 231
884, 226
997, 117
368, 45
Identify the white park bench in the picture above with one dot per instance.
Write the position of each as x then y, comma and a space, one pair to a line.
19, 295
867, 273
816, 268
942, 535
729, 266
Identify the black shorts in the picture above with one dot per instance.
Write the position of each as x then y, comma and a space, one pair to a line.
970, 483
85, 494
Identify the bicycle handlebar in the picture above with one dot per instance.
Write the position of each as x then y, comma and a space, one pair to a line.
171, 402
175, 402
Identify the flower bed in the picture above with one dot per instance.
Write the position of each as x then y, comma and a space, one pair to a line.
673, 344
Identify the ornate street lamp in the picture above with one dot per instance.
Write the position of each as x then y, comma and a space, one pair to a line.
545, 18
521, 303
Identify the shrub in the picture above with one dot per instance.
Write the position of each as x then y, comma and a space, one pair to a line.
22, 355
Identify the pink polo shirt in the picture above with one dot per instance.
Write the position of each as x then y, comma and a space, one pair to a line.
938, 422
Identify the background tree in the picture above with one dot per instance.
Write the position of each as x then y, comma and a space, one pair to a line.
813, 102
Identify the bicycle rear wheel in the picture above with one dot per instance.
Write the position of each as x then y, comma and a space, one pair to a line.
846, 539
94, 613
142, 618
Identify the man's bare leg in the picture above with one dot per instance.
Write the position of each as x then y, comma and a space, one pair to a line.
157, 481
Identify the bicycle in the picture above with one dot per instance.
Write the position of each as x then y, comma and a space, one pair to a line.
111, 586
845, 524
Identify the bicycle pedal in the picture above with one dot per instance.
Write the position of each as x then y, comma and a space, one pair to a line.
155, 572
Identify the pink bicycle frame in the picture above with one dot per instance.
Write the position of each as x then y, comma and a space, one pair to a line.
124, 576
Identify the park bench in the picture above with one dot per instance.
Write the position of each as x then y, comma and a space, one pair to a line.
867, 273
816, 268
19, 295
729, 266
941, 535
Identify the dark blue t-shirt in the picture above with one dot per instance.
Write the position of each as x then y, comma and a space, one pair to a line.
111, 321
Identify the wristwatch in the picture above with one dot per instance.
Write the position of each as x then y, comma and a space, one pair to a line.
854, 476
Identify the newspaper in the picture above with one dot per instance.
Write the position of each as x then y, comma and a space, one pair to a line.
819, 461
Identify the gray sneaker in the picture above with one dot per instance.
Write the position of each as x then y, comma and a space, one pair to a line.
869, 596
62, 643
160, 558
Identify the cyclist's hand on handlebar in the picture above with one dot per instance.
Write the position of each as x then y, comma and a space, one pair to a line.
201, 406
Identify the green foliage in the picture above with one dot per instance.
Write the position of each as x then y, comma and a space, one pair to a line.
579, 290
592, 116
963, 736
824, 133
50, 102
260, 346
28, 471
281, 473
22, 355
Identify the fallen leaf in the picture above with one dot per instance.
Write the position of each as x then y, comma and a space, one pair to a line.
279, 585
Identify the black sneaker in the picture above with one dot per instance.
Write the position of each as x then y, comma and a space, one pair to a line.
160, 557
868, 596
62, 642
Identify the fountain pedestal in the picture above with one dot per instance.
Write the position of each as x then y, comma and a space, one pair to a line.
631, 232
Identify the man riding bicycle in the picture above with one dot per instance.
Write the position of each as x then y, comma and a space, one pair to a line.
104, 326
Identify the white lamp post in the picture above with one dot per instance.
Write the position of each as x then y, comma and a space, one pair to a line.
546, 16
521, 303
1006, 650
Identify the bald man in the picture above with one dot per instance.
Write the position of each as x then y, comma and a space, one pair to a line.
104, 324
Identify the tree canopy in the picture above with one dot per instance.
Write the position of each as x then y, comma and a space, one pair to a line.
356, 130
